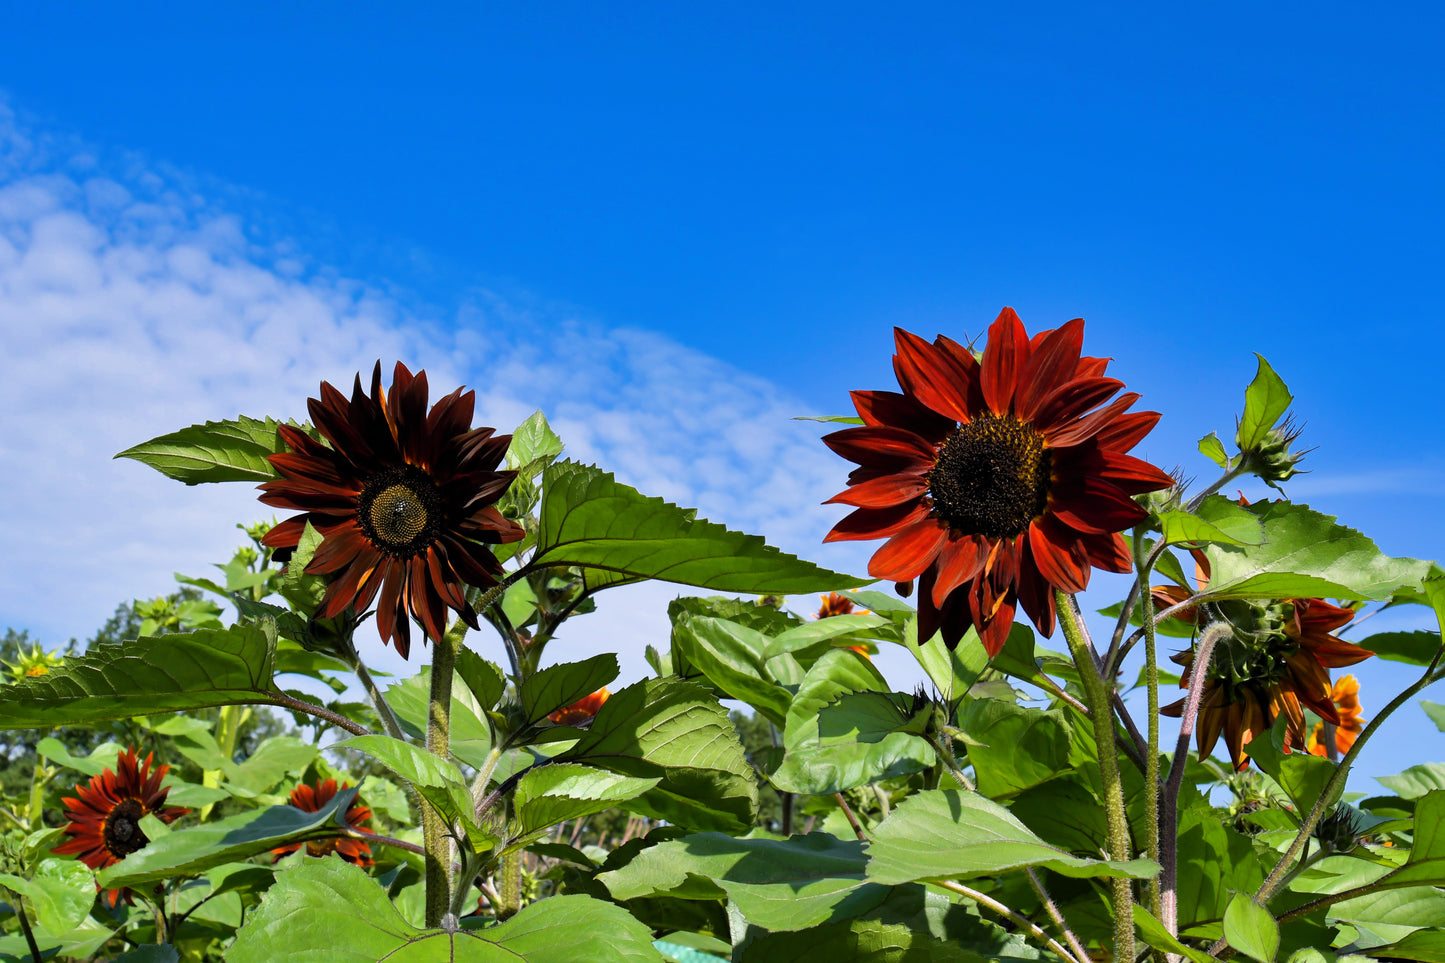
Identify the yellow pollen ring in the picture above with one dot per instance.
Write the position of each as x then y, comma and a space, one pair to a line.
398, 515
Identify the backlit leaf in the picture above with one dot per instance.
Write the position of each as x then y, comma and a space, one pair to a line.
1249, 927
217, 451
1265, 400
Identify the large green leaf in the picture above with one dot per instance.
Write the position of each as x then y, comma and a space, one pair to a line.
778, 884
1015, 748
328, 910
1426, 864
1423, 946
483, 678
1156, 935
819, 762
952, 671
1215, 862
61, 893
277, 758
218, 451
1265, 400
471, 736
731, 656
1415, 781
707, 782
183, 670
589, 519
1301, 775
1307, 555
949, 834
191, 851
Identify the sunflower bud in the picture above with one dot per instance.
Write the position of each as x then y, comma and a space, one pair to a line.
1271, 458
1341, 830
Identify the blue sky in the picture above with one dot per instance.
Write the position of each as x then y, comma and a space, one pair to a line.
674, 227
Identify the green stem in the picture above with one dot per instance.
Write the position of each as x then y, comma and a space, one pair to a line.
15, 901
378, 700
1019, 920
484, 775
438, 743
1103, 715
1151, 755
510, 889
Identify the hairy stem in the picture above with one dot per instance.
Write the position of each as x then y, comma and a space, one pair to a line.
378, 701
1055, 915
438, 743
320, 712
1101, 708
852, 819
1151, 756
1169, 803
1022, 922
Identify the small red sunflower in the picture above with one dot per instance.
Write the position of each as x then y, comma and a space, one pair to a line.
311, 800
105, 814
1278, 664
403, 498
997, 480
583, 710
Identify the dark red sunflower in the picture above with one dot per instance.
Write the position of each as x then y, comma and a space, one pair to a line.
403, 498
105, 814
995, 480
311, 800
1277, 664
583, 710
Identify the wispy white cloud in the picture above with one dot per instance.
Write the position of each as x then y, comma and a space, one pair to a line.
132, 305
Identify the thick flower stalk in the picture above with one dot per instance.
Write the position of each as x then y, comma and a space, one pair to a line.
404, 499
996, 480
105, 813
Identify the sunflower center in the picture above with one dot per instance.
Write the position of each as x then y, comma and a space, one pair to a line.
991, 477
400, 510
122, 830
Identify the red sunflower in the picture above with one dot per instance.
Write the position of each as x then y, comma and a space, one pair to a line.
311, 800
995, 480
403, 498
105, 814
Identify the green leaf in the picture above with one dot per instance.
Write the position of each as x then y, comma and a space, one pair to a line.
191, 851
1413, 648
61, 893
1426, 864
949, 834
483, 678
1214, 862
551, 794
561, 685
1218, 519
183, 670
1415, 781
810, 635
1302, 776
731, 657
330, 910
1212, 448
778, 884
1016, 747
218, 451
1156, 935
438, 780
534, 445
150, 953
589, 519
1306, 555
1249, 927
101, 757
1436, 712
707, 782
952, 671
1424, 946
277, 758
814, 764
1394, 912
1265, 400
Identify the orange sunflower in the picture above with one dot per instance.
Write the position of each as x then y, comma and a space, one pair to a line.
311, 800
105, 814
583, 710
1276, 662
995, 480
1346, 696
834, 604
403, 498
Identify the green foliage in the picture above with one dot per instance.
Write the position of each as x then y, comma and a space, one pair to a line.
1265, 401
218, 451
1014, 748
590, 520
561, 685
1250, 928
325, 909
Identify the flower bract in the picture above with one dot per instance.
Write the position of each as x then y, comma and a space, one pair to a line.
996, 480
311, 799
104, 814
403, 497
